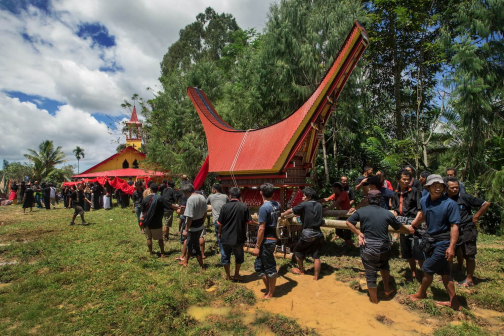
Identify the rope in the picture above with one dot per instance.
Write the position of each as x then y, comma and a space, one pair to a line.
236, 159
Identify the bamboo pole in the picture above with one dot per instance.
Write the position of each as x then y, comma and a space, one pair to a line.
341, 224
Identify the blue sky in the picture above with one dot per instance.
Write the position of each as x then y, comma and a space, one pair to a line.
67, 65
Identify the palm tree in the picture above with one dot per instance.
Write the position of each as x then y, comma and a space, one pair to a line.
46, 159
79, 152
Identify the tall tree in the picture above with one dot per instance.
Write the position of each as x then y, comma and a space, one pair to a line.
79, 153
475, 68
45, 160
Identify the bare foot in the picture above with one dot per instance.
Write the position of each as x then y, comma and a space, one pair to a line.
315, 278
416, 297
335, 238
297, 271
448, 304
203, 256
267, 296
162, 255
389, 293
183, 264
203, 269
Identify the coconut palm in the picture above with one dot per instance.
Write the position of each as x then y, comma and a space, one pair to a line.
79, 153
46, 159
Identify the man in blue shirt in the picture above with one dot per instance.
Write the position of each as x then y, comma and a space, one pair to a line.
265, 263
442, 216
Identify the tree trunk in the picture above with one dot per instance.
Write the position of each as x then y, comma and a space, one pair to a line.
397, 84
424, 150
78, 168
326, 166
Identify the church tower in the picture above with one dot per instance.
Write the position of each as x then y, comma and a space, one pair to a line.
134, 132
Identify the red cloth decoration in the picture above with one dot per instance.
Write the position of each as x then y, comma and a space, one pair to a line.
202, 174
116, 183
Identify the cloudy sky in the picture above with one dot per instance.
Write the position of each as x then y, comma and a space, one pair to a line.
66, 65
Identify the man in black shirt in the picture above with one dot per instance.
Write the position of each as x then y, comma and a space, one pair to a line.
406, 205
414, 182
152, 207
374, 241
452, 172
312, 238
137, 202
466, 248
233, 219
169, 196
77, 200
46, 195
346, 187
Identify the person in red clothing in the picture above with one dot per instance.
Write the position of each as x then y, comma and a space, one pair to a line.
340, 201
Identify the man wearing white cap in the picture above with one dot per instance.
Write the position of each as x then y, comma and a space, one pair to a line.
442, 216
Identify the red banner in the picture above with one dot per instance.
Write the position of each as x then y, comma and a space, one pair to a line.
116, 183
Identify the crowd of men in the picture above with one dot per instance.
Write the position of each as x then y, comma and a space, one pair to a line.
433, 213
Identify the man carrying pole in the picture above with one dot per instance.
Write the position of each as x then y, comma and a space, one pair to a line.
442, 216
374, 241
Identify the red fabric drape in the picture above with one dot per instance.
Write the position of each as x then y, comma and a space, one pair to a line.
116, 183
202, 174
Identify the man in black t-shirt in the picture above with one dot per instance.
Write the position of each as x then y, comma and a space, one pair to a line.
414, 182
137, 202
152, 208
233, 219
374, 241
312, 238
348, 189
406, 206
77, 200
466, 246
169, 196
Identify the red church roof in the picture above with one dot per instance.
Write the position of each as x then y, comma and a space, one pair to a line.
130, 148
134, 117
126, 172
267, 150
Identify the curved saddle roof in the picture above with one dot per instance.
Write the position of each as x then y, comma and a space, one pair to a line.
267, 150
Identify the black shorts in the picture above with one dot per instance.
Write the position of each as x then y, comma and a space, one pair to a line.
469, 237
310, 243
78, 210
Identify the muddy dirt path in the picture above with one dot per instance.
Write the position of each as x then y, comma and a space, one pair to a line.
333, 308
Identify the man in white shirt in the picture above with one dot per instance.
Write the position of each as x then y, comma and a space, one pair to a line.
195, 214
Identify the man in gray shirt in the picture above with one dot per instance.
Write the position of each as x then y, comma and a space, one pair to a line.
195, 214
216, 202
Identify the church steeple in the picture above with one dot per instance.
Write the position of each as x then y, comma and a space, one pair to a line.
134, 132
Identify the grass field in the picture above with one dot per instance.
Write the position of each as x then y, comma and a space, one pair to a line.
99, 279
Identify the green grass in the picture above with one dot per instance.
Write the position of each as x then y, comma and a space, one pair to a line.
99, 279
465, 329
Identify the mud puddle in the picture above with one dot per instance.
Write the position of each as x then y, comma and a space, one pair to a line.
247, 317
333, 308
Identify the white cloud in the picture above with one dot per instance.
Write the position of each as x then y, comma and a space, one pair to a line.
57, 64
25, 126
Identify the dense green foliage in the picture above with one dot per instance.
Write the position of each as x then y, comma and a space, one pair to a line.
428, 91
46, 159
